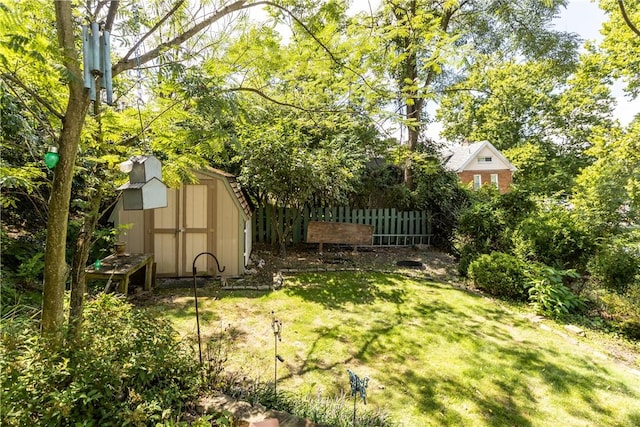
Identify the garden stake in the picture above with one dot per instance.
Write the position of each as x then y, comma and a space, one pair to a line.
195, 297
358, 386
276, 325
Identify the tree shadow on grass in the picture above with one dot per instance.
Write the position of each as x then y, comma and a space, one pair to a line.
487, 333
334, 291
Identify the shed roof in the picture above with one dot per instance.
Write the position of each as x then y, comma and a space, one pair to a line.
460, 157
233, 184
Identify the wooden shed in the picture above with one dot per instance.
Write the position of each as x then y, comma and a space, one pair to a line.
212, 215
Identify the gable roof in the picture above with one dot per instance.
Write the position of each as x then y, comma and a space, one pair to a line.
231, 183
459, 159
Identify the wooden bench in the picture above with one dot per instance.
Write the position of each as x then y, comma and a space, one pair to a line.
120, 268
339, 233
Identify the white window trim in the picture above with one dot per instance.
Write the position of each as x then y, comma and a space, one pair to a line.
485, 159
494, 180
477, 182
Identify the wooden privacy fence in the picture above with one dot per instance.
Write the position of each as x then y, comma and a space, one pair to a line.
390, 227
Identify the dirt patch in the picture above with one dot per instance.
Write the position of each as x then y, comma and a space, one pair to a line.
434, 264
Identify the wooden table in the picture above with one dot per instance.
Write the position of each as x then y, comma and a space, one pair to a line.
121, 267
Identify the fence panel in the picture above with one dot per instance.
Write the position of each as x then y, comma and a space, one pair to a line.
390, 227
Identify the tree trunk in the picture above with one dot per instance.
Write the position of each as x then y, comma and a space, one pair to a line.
80, 257
55, 271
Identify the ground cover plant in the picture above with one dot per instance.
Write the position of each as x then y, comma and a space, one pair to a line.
436, 354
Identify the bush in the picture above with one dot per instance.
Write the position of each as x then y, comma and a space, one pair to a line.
488, 223
548, 294
500, 274
615, 267
554, 238
125, 367
23, 258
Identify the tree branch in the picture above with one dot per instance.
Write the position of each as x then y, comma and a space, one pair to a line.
626, 18
153, 29
38, 98
111, 15
128, 64
275, 101
317, 40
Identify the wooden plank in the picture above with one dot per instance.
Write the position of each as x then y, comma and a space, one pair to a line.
412, 222
393, 221
339, 232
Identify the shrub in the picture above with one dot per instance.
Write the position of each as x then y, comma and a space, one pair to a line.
500, 274
548, 294
615, 267
554, 238
488, 223
125, 367
467, 256
23, 258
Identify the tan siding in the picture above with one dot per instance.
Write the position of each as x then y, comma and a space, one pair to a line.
134, 235
165, 253
194, 231
227, 231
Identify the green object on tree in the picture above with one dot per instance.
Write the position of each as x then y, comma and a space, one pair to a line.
97, 264
52, 157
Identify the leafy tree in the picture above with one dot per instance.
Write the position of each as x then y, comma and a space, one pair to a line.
428, 45
621, 42
289, 163
542, 114
438, 192
22, 173
607, 193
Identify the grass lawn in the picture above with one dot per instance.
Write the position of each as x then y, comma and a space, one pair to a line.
436, 355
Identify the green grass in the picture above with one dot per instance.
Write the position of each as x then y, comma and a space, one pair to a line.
436, 355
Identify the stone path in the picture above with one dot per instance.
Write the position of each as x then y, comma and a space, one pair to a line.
245, 414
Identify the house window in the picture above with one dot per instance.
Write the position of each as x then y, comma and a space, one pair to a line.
494, 180
485, 159
477, 182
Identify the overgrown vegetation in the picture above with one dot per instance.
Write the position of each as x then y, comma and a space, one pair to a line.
550, 256
125, 367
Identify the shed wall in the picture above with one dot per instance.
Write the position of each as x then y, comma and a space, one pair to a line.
211, 216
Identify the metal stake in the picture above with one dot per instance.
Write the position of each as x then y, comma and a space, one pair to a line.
276, 325
195, 297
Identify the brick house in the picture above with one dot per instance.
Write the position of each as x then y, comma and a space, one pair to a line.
480, 163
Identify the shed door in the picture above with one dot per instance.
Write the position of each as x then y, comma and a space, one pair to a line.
197, 227
183, 230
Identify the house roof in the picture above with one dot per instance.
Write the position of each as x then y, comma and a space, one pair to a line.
461, 157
